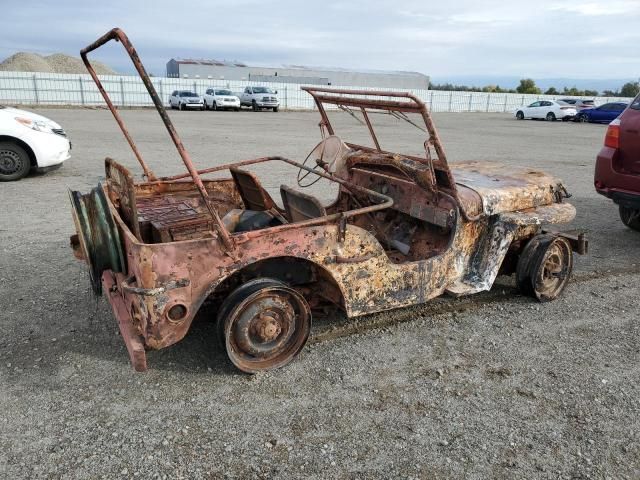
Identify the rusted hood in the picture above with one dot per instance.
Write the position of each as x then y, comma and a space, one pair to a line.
504, 188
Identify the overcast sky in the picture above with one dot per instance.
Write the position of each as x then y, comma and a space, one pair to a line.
540, 38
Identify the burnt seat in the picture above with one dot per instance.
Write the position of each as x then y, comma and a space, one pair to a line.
299, 206
253, 195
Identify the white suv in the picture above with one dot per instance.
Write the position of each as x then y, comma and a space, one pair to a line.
29, 141
183, 99
259, 98
221, 99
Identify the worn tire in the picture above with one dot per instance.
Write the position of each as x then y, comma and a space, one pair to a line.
534, 275
14, 162
520, 115
551, 117
233, 305
630, 217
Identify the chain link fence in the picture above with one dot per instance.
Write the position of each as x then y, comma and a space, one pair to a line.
27, 88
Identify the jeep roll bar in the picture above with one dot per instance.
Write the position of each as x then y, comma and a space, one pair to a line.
119, 36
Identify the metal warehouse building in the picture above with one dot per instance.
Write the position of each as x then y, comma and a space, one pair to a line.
222, 70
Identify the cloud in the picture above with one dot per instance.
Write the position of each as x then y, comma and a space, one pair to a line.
438, 38
599, 9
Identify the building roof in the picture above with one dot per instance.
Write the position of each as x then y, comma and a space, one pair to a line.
190, 61
220, 63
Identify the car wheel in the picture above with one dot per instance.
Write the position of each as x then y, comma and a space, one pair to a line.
181, 106
520, 115
14, 162
237, 109
544, 267
254, 106
551, 117
630, 217
214, 105
275, 109
263, 324
583, 118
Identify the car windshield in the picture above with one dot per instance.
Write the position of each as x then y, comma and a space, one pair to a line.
223, 92
262, 90
188, 94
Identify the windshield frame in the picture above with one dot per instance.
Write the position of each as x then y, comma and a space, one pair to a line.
394, 103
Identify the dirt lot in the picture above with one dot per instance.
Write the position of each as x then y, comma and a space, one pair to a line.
491, 386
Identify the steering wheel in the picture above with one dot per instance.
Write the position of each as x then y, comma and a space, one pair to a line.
324, 156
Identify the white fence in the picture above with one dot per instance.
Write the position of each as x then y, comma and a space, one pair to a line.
26, 88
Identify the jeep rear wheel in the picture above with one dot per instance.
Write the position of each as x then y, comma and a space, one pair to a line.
14, 162
263, 325
630, 217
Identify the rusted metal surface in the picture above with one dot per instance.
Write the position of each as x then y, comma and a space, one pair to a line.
119, 35
402, 230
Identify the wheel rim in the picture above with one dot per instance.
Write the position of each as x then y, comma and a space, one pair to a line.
10, 162
550, 116
267, 329
553, 272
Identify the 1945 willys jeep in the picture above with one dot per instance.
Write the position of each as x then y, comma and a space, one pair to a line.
402, 229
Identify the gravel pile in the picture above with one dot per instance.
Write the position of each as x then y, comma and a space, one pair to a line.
56, 63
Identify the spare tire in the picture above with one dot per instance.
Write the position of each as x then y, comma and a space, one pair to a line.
98, 235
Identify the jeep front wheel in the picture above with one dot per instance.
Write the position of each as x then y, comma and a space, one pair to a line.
544, 267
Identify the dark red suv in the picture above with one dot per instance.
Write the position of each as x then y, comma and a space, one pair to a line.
618, 165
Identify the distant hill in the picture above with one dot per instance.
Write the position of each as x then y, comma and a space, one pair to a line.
544, 83
56, 63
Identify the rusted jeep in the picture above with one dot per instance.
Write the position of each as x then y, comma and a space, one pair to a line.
401, 230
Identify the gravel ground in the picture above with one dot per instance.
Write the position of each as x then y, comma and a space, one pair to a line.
489, 386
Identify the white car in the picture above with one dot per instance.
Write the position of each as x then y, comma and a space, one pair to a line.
183, 99
547, 110
221, 99
259, 98
29, 142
